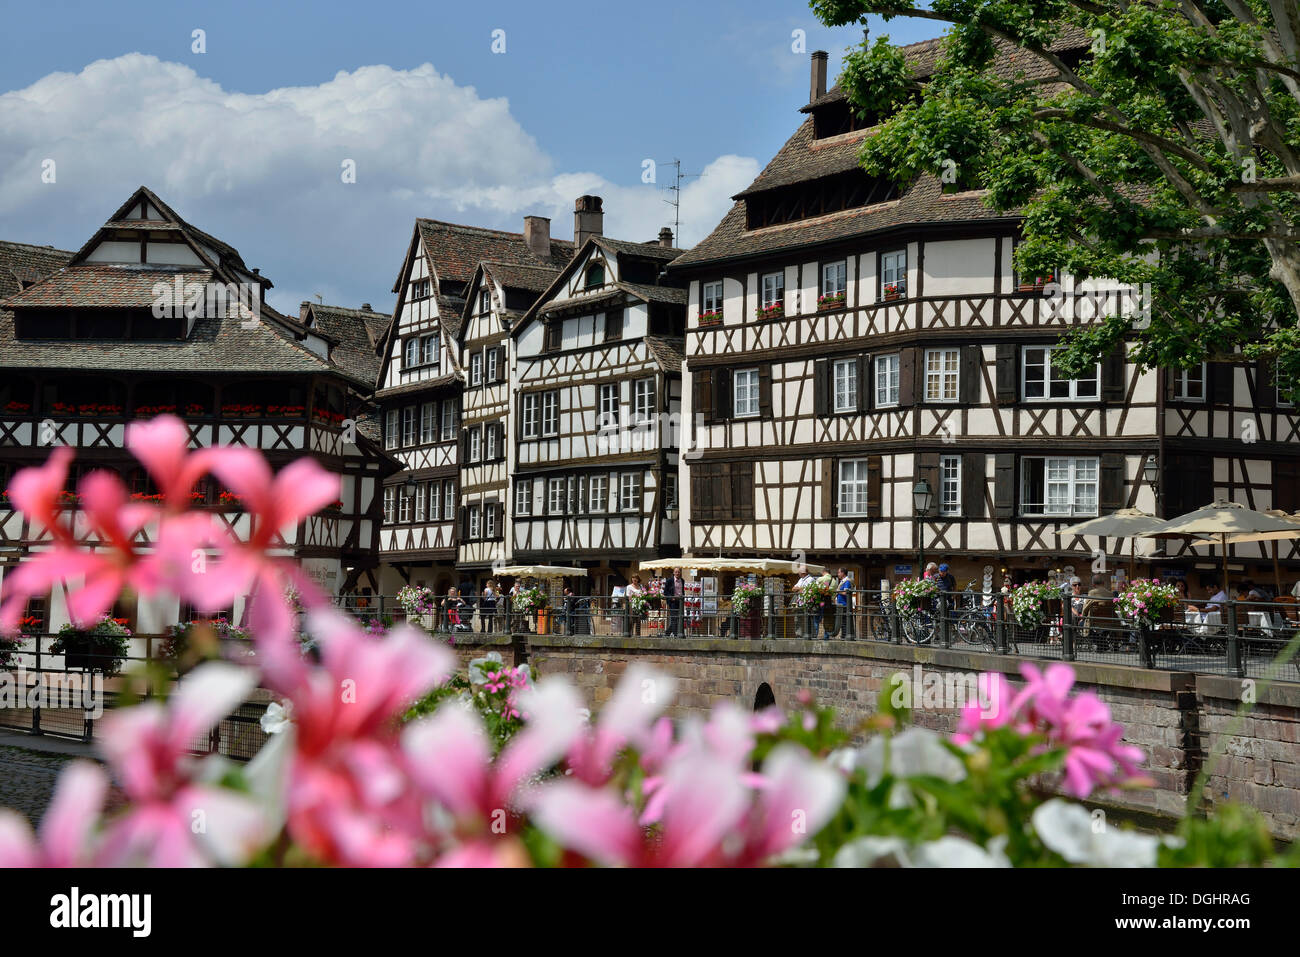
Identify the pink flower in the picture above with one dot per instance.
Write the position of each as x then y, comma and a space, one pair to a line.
68, 826
163, 446
627, 718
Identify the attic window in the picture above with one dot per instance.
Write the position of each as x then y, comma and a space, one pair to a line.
852, 189
839, 117
595, 275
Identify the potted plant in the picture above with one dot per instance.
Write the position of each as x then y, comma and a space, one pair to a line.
775, 311
1038, 282
18, 408
190, 643
1147, 601
417, 602
711, 318
9, 644
195, 408
746, 604
833, 301
1030, 610
230, 500
102, 647
893, 290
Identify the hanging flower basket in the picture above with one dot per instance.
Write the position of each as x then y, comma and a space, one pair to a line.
101, 648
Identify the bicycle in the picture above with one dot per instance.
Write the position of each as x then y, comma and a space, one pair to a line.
975, 620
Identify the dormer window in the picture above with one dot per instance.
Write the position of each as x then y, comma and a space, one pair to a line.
595, 275
420, 289
484, 302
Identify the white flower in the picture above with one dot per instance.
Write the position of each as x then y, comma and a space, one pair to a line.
478, 668
1069, 830
915, 751
277, 717
896, 852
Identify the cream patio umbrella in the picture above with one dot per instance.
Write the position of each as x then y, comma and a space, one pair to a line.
1124, 523
1218, 522
540, 571
1274, 537
761, 566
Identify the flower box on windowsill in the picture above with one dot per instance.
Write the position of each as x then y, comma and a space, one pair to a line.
770, 312
17, 408
710, 319
1037, 285
826, 303
891, 293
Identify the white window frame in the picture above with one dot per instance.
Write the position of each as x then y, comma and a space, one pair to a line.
475, 444
711, 301
746, 400
947, 372
448, 420
1072, 393
476, 369
475, 517
392, 429
435, 500
893, 269
1183, 379
643, 395
390, 504
844, 372
492, 365
607, 407
835, 278
429, 350
489, 443
524, 497
557, 490
410, 422
950, 485
629, 492
531, 410
448, 500
772, 293
1073, 473
851, 487
489, 520
484, 302
428, 423
410, 353
1278, 399
420, 513
598, 493
405, 507
550, 414
886, 380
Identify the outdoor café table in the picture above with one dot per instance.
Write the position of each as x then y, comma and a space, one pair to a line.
1203, 622
1262, 620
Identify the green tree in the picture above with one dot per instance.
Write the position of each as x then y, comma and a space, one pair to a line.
1143, 141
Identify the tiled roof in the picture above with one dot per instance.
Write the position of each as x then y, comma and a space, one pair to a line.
804, 158
616, 293
667, 352
356, 333
21, 264
422, 385
529, 278
110, 286
649, 250
457, 250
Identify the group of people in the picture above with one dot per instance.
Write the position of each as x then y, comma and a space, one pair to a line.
836, 620
672, 589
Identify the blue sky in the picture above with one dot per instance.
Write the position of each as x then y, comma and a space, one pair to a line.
245, 140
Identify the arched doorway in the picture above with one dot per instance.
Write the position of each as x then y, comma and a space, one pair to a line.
764, 698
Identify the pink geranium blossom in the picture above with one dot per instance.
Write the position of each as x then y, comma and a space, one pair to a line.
67, 830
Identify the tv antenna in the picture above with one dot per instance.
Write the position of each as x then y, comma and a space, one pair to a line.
676, 201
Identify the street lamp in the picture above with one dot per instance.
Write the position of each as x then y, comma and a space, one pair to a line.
409, 486
922, 499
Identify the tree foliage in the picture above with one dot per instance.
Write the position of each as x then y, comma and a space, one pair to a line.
1146, 142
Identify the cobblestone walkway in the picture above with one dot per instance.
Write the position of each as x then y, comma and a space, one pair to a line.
27, 780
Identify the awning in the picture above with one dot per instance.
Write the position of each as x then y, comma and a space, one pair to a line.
761, 566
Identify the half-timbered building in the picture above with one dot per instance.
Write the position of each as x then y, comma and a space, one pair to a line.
151, 316
597, 400
847, 339
420, 394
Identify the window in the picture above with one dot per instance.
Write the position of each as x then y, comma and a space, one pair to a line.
429, 350
490, 443
550, 413
448, 499
448, 420
746, 392
390, 504
893, 274
476, 369
574, 504
408, 425
614, 325
490, 520
595, 275
555, 495
390, 430
428, 422
554, 336
1283, 385
532, 421
846, 385
474, 517
773, 289
644, 400
886, 381
1189, 384
434, 512
941, 375
492, 365
950, 485
629, 494
608, 407
484, 301
404, 505
1059, 486
599, 489
711, 298
670, 491
853, 487
420, 289
524, 497
412, 354
420, 502
1041, 381
475, 443
834, 283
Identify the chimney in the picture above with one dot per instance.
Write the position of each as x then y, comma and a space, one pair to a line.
303, 310
588, 220
365, 307
666, 237
818, 75
537, 235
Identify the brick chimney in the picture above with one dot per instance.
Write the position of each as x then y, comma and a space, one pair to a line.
818, 87
666, 237
588, 220
365, 307
537, 235
303, 310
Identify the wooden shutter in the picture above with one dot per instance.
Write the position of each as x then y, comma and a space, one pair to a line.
1265, 390
1004, 485
702, 394
765, 390
462, 521
927, 467
742, 490
874, 468
829, 469
1221, 376
1111, 493
701, 496
908, 393
614, 324
972, 365
864, 383
1008, 373
821, 388
1286, 484
722, 394
462, 454
1171, 383
973, 483
1112, 375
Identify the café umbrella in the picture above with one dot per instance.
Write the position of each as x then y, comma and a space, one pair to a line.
1124, 523
1219, 522
1274, 537
760, 566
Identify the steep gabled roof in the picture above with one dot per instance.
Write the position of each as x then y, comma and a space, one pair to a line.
356, 334
455, 250
21, 265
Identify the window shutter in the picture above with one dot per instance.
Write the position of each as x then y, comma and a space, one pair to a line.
1265, 390
1221, 376
1008, 372
614, 497
1111, 494
702, 393
864, 383
614, 324
972, 365
722, 394
1112, 375
462, 454
908, 393
501, 441
701, 500
829, 469
462, 522
765, 390
1171, 384
973, 483
742, 490
927, 467
874, 467
1004, 487
1286, 485
821, 389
